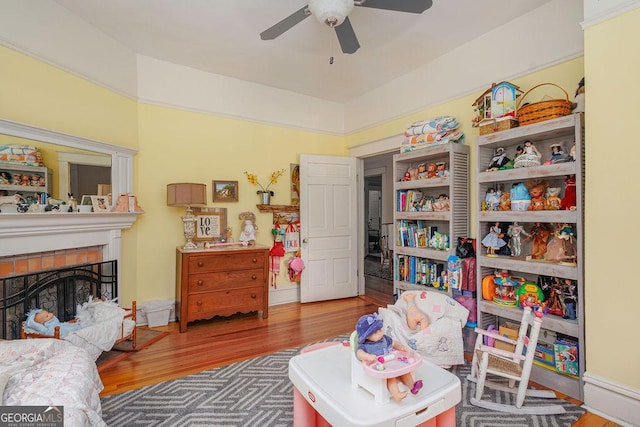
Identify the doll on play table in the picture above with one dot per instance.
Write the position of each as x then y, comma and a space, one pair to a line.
372, 343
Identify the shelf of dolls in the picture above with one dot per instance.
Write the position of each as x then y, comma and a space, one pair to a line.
521, 264
522, 174
562, 216
544, 140
551, 322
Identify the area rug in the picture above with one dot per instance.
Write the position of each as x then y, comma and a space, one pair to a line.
257, 392
372, 267
120, 351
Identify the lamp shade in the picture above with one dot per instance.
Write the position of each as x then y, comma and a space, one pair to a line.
186, 194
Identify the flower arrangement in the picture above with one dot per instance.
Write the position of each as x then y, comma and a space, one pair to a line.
275, 175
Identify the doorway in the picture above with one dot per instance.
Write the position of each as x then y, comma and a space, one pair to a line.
377, 217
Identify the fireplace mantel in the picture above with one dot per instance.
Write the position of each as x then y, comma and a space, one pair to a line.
23, 233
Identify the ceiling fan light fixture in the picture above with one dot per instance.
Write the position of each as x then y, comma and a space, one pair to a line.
331, 12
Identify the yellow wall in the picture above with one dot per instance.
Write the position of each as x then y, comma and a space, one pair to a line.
612, 61
179, 146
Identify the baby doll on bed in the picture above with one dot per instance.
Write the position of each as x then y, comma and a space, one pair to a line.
44, 322
372, 342
416, 319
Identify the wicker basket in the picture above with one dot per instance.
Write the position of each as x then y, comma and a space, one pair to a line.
543, 110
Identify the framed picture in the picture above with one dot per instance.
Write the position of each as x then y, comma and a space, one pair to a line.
225, 191
86, 200
209, 226
295, 184
100, 203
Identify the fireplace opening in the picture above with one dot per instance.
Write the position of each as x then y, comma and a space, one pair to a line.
58, 291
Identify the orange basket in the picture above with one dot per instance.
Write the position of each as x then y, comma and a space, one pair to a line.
543, 110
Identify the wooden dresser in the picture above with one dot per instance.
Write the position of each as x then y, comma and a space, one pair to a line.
220, 282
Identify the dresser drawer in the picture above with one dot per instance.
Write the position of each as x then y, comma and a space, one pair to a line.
225, 280
226, 262
225, 303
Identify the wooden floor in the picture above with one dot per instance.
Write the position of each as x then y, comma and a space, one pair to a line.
221, 341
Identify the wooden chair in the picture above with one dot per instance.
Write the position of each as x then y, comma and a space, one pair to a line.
514, 365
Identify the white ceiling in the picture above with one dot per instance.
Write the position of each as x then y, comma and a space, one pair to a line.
222, 37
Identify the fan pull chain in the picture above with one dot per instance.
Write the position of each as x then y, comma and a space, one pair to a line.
331, 43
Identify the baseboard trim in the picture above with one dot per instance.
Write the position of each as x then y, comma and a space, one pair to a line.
284, 295
604, 397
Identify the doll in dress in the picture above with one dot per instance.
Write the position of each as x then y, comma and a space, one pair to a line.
372, 343
249, 228
494, 240
515, 232
529, 157
498, 160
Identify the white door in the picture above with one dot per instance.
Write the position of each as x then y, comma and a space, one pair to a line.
328, 227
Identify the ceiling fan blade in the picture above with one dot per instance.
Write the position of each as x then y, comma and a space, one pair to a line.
411, 6
347, 37
286, 24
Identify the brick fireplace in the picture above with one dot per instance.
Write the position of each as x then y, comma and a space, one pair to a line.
33, 242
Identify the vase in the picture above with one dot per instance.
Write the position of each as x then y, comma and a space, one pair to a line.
266, 197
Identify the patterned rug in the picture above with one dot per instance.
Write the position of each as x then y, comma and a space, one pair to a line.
372, 267
257, 392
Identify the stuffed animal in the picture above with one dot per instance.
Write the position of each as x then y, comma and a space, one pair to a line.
553, 199
537, 189
432, 170
416, 318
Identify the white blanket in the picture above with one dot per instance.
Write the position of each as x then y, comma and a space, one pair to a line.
441, 342
103, 325
51, 372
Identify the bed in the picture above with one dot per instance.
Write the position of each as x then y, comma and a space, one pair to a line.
441, 342
51, 372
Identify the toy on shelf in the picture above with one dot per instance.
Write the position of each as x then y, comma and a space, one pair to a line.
578, 101
494, 240
520, 197
505, 290
441, 169
569, 200
515, 232
529, 294
570, 298
537, 189
562, 247
529, 157
491, 200
539, 235
553, 202
498, 160
557, 155
505, 201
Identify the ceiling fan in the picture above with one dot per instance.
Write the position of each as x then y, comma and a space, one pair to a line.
334, 13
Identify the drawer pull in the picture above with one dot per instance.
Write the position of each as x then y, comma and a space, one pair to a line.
254, 260
199, 302
254, 277
200, 263
199, 282
254, 296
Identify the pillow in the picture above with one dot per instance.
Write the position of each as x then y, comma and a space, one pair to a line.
32, 324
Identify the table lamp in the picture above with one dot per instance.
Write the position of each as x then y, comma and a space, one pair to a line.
187, 194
